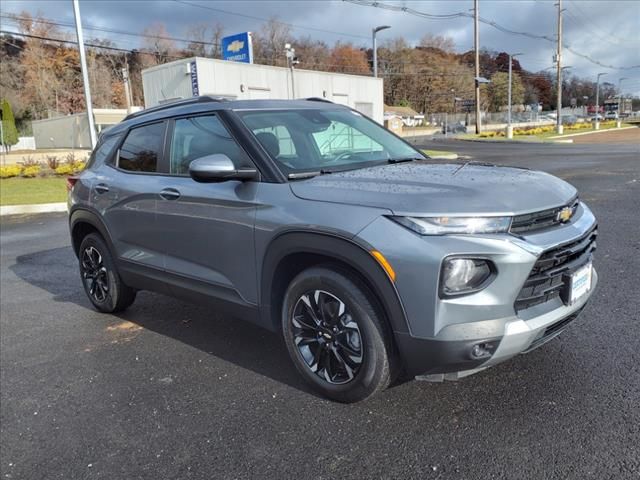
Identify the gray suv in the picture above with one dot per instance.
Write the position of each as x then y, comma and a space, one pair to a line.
374, 263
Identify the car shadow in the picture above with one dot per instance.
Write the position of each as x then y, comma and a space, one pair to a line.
232, 340
260, 351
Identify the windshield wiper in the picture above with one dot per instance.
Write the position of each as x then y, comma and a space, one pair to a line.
303, 175
407, 159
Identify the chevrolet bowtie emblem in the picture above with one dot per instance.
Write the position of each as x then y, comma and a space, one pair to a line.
565, 214
235, 46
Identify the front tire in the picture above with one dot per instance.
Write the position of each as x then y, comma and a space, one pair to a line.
102, 283
335, 336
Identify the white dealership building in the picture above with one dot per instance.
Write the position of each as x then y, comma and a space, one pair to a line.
233, 80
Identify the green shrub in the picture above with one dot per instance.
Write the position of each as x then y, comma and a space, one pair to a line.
64, 169
10, 171
32, 171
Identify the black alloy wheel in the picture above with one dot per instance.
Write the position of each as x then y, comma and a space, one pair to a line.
100, 277
327, 337
94, 274
336, 334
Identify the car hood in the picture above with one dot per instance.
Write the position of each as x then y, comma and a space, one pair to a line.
419, 188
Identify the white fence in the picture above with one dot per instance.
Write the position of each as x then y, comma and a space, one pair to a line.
25, 143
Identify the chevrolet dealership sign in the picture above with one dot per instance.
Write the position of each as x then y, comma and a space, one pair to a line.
238, 48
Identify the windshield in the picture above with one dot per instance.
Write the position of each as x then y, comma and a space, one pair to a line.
324, 140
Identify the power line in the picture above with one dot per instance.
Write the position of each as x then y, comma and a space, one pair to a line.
93, 45
291, 25
491, 23
585, 17
107, 30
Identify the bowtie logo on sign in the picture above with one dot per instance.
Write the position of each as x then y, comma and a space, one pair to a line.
235, 46
238, 48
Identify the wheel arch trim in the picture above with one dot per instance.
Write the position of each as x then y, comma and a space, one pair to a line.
84, 215
340, 248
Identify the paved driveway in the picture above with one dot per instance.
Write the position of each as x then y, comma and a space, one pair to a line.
171, 390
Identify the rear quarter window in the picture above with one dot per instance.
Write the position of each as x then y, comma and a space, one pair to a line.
103, 152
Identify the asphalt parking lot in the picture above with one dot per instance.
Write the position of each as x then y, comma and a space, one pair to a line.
171, 390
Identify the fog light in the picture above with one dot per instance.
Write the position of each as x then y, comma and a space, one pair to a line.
482, 350
464, 275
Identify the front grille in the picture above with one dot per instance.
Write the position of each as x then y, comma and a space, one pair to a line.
549, 277
530, 222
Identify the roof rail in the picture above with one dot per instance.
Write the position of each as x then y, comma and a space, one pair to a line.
318, 99
177, 103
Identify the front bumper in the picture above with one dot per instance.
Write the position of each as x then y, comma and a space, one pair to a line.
441, 333
438, 360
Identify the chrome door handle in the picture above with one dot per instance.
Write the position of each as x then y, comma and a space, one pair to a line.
102, 188
170, 194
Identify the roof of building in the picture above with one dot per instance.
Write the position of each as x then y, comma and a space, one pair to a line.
402, 111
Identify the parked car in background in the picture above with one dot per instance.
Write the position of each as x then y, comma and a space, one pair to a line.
457, 127
611, 116
309, 219
597, 117
569, 119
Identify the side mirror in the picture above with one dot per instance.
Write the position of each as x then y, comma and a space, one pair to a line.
219, 168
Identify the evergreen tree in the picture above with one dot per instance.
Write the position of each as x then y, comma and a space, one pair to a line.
9, 132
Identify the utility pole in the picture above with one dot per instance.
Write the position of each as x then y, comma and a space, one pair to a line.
375, 47
597, 124
127, 91
85, 74
619, 121
509, 126
559, 128
476, 44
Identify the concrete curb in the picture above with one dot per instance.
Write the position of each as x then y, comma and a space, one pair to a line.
453, 156
482, 140
37, 208
590, 133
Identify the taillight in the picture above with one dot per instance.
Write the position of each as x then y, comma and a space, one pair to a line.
71, 181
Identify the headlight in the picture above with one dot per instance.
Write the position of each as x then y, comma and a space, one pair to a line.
464, 275
451, 225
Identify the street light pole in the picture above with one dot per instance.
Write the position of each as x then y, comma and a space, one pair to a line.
559, 66
597, 124
291, 61
509, 126
375, 47
85, 74
476, 47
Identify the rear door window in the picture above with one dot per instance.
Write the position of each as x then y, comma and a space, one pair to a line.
142, 148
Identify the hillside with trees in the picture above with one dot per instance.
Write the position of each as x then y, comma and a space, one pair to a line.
40, 75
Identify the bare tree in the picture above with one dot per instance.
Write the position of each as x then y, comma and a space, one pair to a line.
157, 42
205, 39
269, 42
438, 42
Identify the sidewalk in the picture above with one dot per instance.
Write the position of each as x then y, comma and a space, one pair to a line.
35, 208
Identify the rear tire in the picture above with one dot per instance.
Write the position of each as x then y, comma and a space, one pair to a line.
102, 283
335, 336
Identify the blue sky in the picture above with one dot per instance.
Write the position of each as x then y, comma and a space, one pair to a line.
605, 30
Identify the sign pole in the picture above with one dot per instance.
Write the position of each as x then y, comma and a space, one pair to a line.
85, 74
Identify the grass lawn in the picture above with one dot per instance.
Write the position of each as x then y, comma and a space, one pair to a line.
438, 153
547, 136
23, 191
